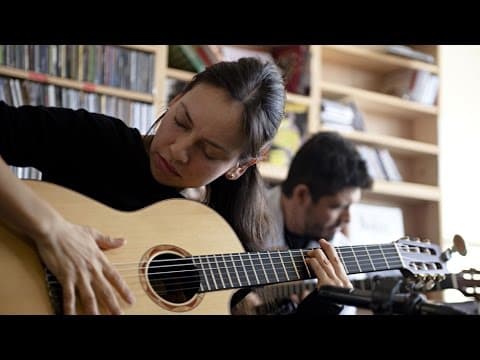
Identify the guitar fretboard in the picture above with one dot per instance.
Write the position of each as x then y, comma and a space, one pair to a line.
226, 271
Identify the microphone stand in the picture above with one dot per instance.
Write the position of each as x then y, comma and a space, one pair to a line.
385, 300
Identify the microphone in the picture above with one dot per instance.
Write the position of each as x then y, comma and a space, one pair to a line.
427, 308
411, 304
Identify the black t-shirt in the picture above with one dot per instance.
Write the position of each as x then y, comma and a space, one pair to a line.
93, 154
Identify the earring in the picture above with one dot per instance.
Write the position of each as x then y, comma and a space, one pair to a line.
230, 176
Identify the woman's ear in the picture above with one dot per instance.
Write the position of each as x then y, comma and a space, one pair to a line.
238, 170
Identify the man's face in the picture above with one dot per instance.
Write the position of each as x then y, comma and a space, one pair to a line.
330, 213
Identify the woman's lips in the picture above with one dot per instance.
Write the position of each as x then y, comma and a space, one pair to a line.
164, 165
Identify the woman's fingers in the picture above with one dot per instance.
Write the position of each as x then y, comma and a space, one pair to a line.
118, 282
332, 255
325, 263
68, 298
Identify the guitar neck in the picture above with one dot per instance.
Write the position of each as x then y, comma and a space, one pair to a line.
227, 271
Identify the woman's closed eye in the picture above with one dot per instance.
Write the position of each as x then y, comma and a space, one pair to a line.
180, 124
210, 155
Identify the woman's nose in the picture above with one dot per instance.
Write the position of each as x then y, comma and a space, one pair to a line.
179, 150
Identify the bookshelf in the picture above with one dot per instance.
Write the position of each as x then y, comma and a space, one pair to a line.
408, 129
125, 81
152, 97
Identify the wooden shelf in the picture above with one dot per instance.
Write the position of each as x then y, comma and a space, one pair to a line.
75, 84
403, 190
181, 75
298, 99
392, 143
372, 60
396, 106
406, 191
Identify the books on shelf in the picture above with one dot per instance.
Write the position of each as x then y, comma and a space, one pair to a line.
294, 62
341, 115
403, 51
184, 57
388, 165
415, 85
409, 52
108, 65
380, 163
286, 142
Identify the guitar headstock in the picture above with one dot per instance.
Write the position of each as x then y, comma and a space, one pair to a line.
468, 282
422, 262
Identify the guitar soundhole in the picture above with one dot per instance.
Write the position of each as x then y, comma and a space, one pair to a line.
173, 278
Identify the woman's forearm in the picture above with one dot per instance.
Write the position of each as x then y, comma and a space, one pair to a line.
21, 209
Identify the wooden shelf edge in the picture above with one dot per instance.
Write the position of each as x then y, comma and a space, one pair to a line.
75, 84
298, 99
181, 75
405, 190
373, 55
378, 98
395, 144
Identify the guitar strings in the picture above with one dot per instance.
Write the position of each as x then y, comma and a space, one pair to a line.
243, 268
186, 281
391, 252
197, 278
253, 262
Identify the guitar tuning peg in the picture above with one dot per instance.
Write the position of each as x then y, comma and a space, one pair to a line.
458, 246
430, 283
418, 285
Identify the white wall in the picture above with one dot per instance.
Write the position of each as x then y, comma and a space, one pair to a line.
460, 150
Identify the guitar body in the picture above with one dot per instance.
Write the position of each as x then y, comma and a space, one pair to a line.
170, 226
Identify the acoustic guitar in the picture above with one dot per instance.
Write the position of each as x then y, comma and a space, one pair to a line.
181, 258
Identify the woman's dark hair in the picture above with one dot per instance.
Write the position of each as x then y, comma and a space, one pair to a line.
327, 163
259, 87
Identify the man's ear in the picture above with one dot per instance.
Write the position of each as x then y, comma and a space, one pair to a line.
301, 194
238, 170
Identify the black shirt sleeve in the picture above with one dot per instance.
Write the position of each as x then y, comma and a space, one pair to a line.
44, 137
93, 154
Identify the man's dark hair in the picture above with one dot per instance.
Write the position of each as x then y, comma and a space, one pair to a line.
327, 163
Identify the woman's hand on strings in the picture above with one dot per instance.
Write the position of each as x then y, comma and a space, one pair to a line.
326, 265
73, 253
